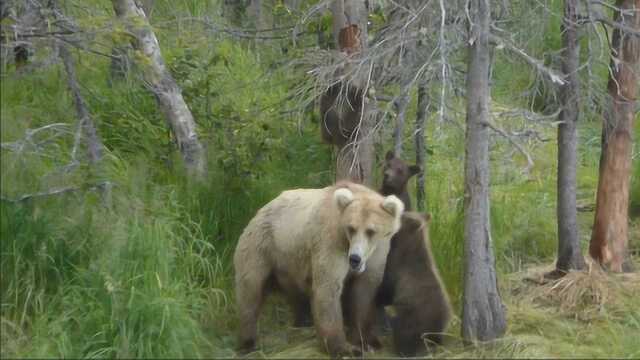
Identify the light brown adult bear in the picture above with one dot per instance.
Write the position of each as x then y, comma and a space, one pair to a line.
307, 242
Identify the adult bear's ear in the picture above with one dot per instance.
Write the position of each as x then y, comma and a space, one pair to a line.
343, 197
427, 217
413, 170
393, 205
389, 155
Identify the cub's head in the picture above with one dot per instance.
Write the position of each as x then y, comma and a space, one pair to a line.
366, 220
397, 172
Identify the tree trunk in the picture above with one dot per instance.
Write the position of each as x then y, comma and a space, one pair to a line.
569, 253
355, 160
421, 117
94, 145
401, 108
483, 314
611, 226
165, 88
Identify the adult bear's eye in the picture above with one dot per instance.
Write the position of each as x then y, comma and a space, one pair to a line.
351, 230
370, 233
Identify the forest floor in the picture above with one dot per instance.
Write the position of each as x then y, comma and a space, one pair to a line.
588, 314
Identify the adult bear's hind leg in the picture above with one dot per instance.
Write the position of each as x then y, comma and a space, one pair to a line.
250, 292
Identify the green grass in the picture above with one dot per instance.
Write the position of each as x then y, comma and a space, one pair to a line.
145, 271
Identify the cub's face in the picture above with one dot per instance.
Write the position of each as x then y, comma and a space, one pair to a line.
396, 172
366, 221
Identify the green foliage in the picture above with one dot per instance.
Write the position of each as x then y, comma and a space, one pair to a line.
148, 273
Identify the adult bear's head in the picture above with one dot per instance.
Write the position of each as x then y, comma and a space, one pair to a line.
367, 219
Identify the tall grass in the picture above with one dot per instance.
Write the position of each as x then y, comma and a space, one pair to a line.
145, 271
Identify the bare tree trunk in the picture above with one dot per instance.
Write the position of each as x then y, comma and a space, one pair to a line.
165, 88
94, 145
355, 160
401, 108
483, 314
611, 226
421, 117
569, 253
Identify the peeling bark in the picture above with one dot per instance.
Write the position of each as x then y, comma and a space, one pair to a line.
483, 314
610, 234
167, 92
569, 253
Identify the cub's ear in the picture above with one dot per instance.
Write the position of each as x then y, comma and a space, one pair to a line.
414, 169
389, 155
342, 198
427, 217
393, 205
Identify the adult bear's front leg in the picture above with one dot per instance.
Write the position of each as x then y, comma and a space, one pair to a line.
327, 315
362, 310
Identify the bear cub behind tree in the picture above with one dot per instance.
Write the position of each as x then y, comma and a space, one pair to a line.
340, 113
396, 175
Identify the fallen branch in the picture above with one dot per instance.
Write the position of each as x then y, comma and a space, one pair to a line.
85, 123
58, 191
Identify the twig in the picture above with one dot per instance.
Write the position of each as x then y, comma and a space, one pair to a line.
552, 74
515, 143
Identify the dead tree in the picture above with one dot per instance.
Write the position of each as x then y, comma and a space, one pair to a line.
355, 159
569, 253
610, 233
164, 87
483, 314
421, 119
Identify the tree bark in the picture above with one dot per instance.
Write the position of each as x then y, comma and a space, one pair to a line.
94, 145
401, 108
421, 117
569, 253
610, 234
355, 160
167, 92
483, 314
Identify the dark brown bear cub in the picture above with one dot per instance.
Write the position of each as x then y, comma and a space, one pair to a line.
412, 285
395, 177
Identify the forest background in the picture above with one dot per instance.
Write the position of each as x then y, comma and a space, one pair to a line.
129, 256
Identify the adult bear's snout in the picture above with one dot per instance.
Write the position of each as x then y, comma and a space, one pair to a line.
354, 261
